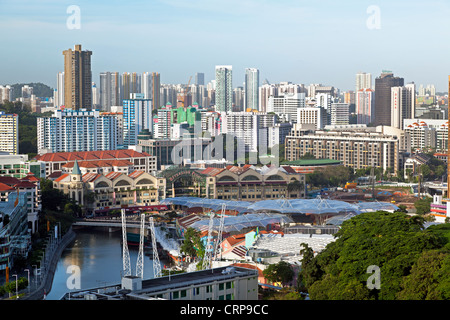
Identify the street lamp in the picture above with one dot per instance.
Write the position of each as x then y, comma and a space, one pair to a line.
27, 270
17, 291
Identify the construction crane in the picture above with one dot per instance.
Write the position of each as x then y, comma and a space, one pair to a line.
140, 258
125, 252
219, 233
209, 246
156, 264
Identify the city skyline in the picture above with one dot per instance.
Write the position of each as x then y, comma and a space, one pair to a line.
333, 41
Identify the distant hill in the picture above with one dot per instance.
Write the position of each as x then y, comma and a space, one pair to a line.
39, 89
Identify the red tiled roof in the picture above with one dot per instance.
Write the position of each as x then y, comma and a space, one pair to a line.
10, 181
25, 184
90, 176
62, 177
90, 155
5, 187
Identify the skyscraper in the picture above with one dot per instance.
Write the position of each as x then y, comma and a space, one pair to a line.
151, 87
137, 116
402, 104
364, 106
131, 83
9, 132
383, 85
77, 78
59, 95
110, 90
224, 89
156, 88
200, 79
251, 89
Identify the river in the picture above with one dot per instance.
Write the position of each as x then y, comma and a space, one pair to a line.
98, 254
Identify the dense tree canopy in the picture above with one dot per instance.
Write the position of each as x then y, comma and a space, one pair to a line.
395, 243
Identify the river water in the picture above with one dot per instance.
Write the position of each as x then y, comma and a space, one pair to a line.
98, 254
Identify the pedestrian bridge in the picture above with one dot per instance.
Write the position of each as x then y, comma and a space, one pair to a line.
109, 223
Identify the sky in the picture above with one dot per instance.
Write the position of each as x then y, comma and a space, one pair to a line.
301, 41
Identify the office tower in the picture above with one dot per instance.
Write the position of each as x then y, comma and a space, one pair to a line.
251, 89
339, 114
365, 99
137, 116
402, 104
285, 106
224, 89
312, 115
383, 85
9, 133
77, 78
363, 81
110, 88
77, 130
131, 83
59, 93
200, 79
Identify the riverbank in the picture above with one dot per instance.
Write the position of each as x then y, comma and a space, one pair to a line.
46, 284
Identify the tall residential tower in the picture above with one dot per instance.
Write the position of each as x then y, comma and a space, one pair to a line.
77, 78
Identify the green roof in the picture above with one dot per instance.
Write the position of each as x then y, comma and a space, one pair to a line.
312, 162
76, 168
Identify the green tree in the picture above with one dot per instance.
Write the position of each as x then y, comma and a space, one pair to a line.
391, 241
423, 206
280, 272
429, 278
192, 244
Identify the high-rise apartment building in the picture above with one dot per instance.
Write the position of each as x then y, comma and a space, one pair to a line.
131, 83
77, 130
224, 89
251, 89
59, 92
266, 91
110, 87
77, 78
402, 104
9, 133
383, 85
6, 93
365, 99
363, 81
137, 116
286, 105
250, 129
151, 88
357, 148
